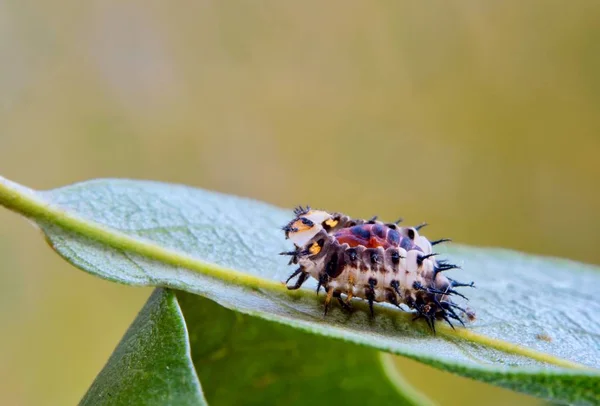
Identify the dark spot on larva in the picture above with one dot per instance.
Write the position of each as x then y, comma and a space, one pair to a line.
395, 255
351, 254
332, 268
361, 232
410, 233
307, 222
379, 230
393, 237
374, 257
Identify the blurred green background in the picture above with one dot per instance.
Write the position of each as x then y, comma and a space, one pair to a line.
480, 118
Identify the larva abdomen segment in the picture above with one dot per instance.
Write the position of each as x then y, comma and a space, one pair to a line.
353, 268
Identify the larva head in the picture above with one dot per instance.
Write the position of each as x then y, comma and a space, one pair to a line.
306, 225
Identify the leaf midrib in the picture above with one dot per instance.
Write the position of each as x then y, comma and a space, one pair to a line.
30, 204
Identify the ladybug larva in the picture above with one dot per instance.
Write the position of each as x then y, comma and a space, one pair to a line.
374, 261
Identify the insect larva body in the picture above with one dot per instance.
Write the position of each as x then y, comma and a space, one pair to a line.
374, 261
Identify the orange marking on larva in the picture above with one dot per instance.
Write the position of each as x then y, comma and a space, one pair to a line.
314, 249
329, 296
375, 242
300, 226
331, 223
353, 241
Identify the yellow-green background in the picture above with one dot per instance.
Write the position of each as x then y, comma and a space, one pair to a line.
481, 118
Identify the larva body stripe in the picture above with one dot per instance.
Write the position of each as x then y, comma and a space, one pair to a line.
375, 261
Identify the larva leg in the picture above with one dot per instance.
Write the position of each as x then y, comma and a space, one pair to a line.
345, 305
350, 291
296, 272
349, 297
323, 279
301, 279
328, 299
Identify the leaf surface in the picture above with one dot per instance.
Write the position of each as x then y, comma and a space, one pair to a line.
152, 364
244, 360
240, 359
538, 327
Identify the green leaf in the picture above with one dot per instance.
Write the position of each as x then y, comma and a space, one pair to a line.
240, 359
152, 364
538, 327
243, 360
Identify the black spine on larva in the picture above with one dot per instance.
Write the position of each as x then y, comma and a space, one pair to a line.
394, 258
351, 255
374, 257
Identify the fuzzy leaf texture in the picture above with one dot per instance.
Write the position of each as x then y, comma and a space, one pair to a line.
538, 319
